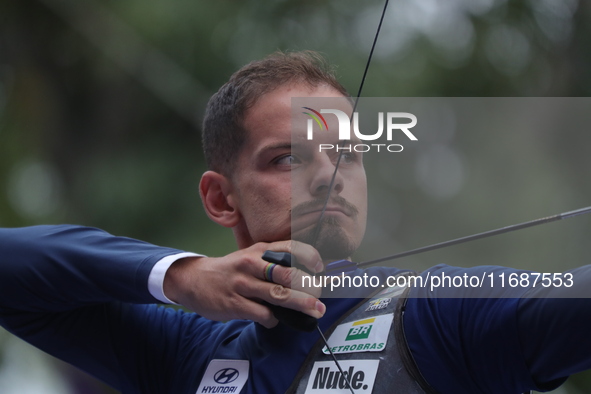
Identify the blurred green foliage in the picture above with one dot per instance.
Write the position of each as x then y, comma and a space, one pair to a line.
100, 101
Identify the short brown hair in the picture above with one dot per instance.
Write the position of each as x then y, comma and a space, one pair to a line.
223, 131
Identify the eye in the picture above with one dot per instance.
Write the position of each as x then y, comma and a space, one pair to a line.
287, 160
349, 157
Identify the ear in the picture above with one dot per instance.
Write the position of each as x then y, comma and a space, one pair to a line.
217, 194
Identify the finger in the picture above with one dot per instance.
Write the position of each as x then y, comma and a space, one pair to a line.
304, 282
260, 314
305, 254
287, 298
283, 296
295, 279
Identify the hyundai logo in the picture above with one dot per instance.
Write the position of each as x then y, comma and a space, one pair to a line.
226, 375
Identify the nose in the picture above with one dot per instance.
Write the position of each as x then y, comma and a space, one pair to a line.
323, 173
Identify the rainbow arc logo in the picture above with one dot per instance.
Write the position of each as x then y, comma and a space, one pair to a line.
317, 116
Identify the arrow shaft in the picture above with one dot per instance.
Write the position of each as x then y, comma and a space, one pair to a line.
486, 234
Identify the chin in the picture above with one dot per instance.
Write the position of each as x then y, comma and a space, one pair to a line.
333, 242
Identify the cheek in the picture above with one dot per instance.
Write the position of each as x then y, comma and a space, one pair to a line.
269, 209
357, 186
271, 195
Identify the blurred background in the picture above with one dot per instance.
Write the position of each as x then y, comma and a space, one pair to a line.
101, 102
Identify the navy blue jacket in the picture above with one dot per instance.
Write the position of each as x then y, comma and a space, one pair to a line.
81, 295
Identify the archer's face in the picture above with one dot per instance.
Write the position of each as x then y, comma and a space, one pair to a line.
276, 173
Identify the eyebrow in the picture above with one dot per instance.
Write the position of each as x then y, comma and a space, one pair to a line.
281, 146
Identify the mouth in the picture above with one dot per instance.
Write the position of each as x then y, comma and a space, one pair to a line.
330, 210
338, 206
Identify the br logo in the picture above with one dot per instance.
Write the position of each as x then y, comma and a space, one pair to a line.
360, 329
226, 375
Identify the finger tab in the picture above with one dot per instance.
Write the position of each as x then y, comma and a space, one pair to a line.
281, 258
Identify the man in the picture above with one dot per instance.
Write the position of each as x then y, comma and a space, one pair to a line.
78, 293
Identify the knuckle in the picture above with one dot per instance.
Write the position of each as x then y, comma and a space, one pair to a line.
241, 284
284, 276
289, 246
279, 293
260, 246
246, 261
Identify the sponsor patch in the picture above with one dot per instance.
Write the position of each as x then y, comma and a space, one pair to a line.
224, 376
365, 335
377, 304
326, 377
